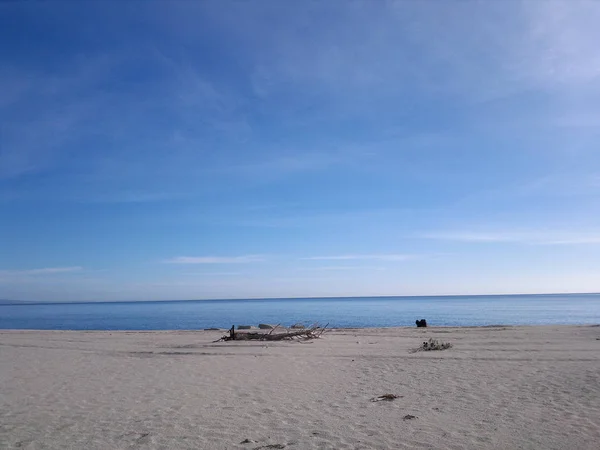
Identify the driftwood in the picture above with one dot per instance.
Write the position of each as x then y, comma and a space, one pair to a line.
432, 344
313, 332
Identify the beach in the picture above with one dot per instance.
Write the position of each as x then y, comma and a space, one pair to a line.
500, 387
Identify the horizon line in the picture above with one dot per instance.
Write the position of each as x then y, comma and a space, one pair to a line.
8, 302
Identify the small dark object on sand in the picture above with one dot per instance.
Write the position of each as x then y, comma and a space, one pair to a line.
409, 417
421, 323
387, 397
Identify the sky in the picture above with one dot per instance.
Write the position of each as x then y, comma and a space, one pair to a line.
246, 149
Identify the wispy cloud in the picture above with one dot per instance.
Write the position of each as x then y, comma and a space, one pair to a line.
341, 268
244, 259
295, 162
43, 118
550, 43
531, 237
131, 197
44, 271
560, 38
376, 257
571, 186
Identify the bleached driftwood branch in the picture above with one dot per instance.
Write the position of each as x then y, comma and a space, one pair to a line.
313, 332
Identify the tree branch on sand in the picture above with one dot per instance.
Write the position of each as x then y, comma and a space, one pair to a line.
313, 332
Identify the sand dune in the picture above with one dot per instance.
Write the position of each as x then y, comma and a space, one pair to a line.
497, 388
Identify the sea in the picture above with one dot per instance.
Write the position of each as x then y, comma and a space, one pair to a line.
361, 312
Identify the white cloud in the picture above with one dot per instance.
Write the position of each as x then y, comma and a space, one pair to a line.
530, 237
471, 236
336, 268
216, 259
44, 271
377, 257
572, 240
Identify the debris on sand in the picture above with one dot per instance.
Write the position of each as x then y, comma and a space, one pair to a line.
432, 344
385, 397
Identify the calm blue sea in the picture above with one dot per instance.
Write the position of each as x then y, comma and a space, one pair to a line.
338, 312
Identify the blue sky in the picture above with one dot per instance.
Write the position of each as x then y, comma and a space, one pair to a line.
189, 150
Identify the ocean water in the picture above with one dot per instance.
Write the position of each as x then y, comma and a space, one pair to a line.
337, 312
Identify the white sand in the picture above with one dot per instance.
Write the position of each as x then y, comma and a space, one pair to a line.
498, 388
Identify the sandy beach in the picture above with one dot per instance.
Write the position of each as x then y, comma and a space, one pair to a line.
497, 388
